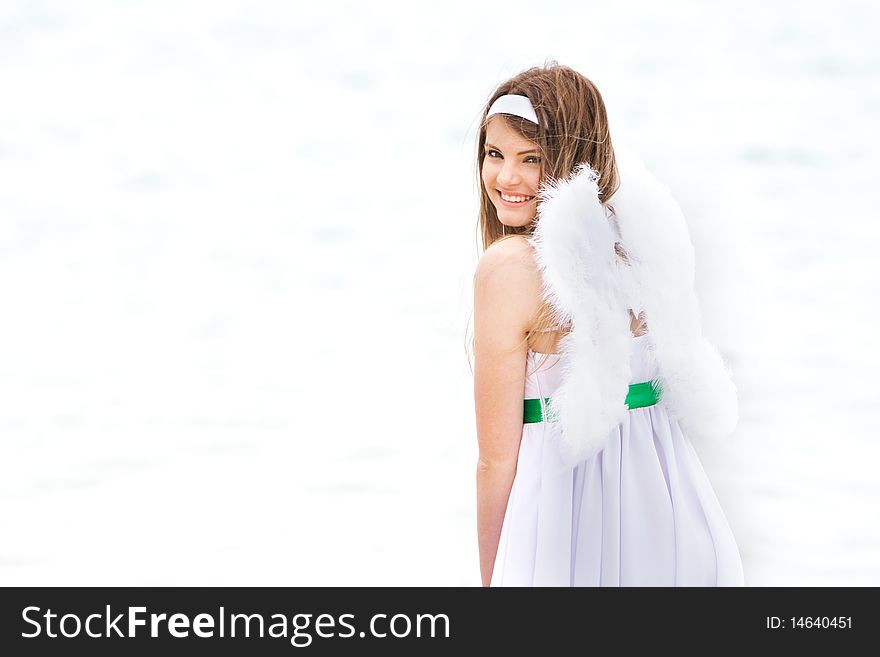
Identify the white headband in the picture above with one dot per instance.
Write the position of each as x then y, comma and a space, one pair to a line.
514, 104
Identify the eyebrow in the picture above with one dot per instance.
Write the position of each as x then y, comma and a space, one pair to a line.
534, 150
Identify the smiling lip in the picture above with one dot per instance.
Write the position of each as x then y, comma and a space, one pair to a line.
511, 204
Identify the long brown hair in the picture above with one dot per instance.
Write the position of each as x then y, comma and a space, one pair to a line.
573, 130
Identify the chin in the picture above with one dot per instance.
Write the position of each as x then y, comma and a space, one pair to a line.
511, 222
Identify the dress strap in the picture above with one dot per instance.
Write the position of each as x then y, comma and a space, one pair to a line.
552, 329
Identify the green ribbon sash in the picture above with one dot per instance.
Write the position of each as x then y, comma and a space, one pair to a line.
640, 395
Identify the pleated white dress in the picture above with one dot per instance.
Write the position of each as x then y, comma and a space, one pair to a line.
640, 512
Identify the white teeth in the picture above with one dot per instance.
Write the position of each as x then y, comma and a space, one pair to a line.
515, 199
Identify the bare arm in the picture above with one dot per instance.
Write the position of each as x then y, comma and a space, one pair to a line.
506, 287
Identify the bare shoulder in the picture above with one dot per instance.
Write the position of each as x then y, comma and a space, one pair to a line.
507, 278
511, 257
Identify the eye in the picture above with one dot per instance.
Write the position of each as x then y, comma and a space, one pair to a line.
533, 159
490, 151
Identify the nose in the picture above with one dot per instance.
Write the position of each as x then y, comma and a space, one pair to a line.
509, 174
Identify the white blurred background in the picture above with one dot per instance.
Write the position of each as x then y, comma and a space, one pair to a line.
237, 242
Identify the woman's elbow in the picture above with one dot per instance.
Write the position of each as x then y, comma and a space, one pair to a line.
488, 464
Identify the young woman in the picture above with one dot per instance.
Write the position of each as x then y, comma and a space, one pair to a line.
591, 371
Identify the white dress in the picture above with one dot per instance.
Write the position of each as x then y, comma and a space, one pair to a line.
640, 512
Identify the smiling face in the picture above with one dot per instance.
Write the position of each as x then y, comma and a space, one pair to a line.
511, 173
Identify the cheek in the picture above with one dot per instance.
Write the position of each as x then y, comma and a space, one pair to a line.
488, 175
535, 180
